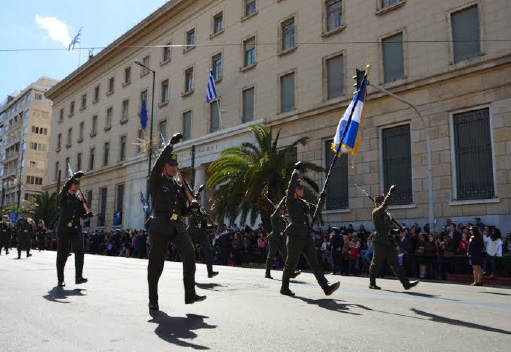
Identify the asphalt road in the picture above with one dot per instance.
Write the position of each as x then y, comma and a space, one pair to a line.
243, 312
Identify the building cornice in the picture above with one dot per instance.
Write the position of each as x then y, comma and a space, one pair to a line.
151, 22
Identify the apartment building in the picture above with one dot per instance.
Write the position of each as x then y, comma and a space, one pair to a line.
288, 64
24, 140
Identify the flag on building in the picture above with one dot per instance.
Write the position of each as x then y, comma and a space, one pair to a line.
143, 115
211, 89
146, 206
69, 170
352, 122
75, 40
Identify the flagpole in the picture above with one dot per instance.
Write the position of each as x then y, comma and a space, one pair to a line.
339, 148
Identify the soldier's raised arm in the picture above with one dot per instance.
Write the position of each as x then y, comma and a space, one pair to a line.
293, 182
386, 200
157, 169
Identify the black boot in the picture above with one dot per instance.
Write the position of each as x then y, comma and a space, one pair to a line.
212, 274
29, 255
19, 255
80, 280
153, 305
296, 273
61, 283
372, 283
329, 288
190, 295
408, 285
286, 292
267, 275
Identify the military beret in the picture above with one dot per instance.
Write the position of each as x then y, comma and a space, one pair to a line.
172, 160
379, 199
75, 181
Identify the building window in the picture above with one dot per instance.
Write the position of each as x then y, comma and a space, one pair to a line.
96, 93
393, 59
80, 131
72, 108
61, 115
287, 92
337, 189
190, 39
388, 3
59, 141
38, 96
187, 125
335, 77
250, 7
106, 153
57, 166
125, 109
102, 207
288, 34
109, 115
248, 105
397, 163
249, 49
111, 85
33, 164
165, 97
122, 148
166, 53
84, 102
146, 62
69, 137
465, 34
473, 155
79, 161
216, 66
33, 180
67, 166
333, 14
189, 80
119, 201
127, 75
218, 23
86, 223
214, 117
94, 129
92, 154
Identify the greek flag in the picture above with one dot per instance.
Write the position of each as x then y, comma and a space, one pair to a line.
211, 90
69, 170
351, 121
75, 40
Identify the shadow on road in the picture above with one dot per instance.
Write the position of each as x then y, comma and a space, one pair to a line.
209, 286
439, 319
333, 305
58, 294
175, 329
425, 295
496, 293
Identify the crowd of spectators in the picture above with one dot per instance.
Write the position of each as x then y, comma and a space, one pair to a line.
344, 250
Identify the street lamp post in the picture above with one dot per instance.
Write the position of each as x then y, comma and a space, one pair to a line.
21, 168
150, 131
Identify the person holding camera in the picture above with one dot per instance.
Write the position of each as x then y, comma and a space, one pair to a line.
384, 247
299, 239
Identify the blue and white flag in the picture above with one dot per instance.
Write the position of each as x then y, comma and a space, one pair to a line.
69, 170
146, 205
351, 120
75, 40
143, 115
211, 89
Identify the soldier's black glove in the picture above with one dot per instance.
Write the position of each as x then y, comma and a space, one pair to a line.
88, 215
176, 138
78, 174
298, 166
392, 188
194, 206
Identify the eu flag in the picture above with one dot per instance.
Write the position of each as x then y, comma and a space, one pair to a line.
143, 115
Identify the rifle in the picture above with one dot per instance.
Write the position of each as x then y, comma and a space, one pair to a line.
201, 187
372, 199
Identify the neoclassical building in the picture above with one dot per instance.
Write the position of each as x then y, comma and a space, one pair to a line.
288, 65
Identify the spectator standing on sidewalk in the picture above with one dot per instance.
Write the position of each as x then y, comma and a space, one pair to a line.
494, 251
475, 249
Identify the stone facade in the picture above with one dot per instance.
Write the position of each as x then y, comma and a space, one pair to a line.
433, 79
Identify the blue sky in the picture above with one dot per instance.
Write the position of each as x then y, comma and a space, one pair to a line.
51, 24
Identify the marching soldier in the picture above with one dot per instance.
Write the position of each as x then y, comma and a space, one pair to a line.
69, 229
197, 224
299, 238
41, 235
169, 203
25, 230
384, 245
277, 239
5, 234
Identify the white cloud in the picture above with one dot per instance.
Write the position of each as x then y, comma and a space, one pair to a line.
56, 29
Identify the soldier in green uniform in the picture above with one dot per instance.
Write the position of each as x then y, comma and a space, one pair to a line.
69, 229
197, 225
384, 245
277, 239
169, 203
5, 234
25, 230
299, 239
41, 235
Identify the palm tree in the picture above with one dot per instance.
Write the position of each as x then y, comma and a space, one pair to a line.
45, 208
247, 179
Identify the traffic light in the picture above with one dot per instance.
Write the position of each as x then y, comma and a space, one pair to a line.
359, 77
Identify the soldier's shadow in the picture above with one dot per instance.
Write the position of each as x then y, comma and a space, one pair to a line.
334, 305
59, 294
425, 295
209, 286
176, 330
